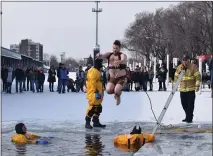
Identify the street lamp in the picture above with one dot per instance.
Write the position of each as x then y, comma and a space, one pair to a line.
97, 10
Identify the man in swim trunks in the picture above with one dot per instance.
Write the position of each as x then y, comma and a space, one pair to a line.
117, 70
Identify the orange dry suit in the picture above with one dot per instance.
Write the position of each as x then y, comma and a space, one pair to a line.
27, 138
132, 142
94, 85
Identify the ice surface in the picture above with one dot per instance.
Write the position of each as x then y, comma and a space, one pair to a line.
53, 112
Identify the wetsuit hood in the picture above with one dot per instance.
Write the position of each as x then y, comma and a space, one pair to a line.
98, 64
19, 128
136, 131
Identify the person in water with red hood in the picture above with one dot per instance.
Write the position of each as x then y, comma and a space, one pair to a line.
23, 137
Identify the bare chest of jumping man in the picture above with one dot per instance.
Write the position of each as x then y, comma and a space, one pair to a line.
116, 70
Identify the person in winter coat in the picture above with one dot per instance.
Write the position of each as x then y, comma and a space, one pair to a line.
51, 78
34, 79
4, 72
151, 76
80, 77
10, 77
19, 74
71, 85
41, 79
129, 80
162, 78
58, 75
144, 78
24, 80
29, 85
136, 78
103, 78
63, 76
211, 72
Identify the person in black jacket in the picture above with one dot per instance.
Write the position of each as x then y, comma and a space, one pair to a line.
136, 78
103, 78
24, 80
162, 78
71, 85
19, 74
4, 72
58, 75
144, 78
41, 79
51, 78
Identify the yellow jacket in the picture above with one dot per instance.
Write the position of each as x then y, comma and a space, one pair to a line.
132, 142
191, 78
24, 139
93, 85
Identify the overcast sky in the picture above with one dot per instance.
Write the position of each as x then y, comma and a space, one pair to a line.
69, 27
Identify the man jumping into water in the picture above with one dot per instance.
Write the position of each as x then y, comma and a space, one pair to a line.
117, 70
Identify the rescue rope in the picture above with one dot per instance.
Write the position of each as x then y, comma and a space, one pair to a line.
171, 127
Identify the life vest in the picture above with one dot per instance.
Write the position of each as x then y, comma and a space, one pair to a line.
132, 142
24, 138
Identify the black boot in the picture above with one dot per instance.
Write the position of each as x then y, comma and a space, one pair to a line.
184, 120
52, 88
87, 125
96, 123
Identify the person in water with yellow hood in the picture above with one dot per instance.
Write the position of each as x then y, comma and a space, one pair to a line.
23, 137
94, 95
132, 142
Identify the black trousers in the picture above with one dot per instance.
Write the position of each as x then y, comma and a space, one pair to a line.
51, 86
162, 83
188, 101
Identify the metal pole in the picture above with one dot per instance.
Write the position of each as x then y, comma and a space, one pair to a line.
155, 72
200, 70
167, 74
96, 24
96, 10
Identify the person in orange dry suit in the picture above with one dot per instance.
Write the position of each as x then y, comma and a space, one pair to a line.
132, 142
94, 95
23, 137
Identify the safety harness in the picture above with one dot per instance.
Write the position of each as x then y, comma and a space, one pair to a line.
121, 66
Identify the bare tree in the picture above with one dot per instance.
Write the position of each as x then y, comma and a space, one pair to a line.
54, 61
46, 59
71, 63
185, 28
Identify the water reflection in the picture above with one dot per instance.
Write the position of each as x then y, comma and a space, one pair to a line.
94, 145
21, 149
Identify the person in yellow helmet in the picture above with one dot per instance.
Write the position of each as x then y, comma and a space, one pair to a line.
188, 85
23, 137
133, 141
94, 95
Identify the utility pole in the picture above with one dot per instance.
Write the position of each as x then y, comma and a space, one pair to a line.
97, 46
97, 11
